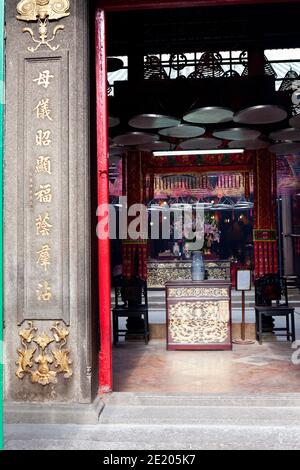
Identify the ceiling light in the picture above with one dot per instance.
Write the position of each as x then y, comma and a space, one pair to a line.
175, 153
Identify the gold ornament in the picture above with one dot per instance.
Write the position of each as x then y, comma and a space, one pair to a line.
50, 362
199, 322
43, 11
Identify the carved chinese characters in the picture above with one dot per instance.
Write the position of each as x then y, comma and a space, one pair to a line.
44, 224
44, 192
43, 221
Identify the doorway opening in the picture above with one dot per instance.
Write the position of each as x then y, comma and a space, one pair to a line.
201, 80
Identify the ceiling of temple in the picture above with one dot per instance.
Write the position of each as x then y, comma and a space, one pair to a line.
230, 27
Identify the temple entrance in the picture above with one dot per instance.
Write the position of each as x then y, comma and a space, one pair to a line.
195, 127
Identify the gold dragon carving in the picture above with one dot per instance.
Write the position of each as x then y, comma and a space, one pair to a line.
36, 351
43, 11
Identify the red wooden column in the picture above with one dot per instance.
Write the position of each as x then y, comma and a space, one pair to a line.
105, 356
265, 236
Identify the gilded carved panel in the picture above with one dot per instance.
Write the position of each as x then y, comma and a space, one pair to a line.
195, 323
160, 273
197, 292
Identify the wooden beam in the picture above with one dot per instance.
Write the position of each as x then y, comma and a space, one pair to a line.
125, 5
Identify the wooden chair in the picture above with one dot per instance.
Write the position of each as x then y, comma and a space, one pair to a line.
131, 302
271, 300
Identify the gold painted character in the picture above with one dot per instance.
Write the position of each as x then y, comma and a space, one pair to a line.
44, 292
44, 79
43, 165
44, 257
44, 195
42, 223
42, 138
43, 110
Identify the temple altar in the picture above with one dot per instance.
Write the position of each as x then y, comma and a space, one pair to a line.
162, 271
199, 315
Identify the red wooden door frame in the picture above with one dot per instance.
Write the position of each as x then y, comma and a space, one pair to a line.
122, 5
105, 356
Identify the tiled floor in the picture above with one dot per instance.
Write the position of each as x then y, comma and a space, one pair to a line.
247, 369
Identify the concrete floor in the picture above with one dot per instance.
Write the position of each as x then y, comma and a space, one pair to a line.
265, 368
247, 369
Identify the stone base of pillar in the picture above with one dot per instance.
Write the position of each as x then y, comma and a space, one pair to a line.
53, 413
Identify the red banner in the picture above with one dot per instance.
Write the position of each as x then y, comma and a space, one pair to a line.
265, 238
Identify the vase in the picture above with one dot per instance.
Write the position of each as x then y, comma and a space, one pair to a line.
198, 269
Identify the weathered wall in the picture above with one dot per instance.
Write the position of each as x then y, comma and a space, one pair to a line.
47, 272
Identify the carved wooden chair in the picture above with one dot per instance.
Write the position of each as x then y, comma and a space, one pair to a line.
131, 302
271, 300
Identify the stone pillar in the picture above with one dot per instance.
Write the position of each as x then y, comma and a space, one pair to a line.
48, 318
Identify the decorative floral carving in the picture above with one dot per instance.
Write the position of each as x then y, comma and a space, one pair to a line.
43, 341
25, 361
199, 322
43, 11
47, 358
28, 334
198, 292
62, 362
60, 334
160, 273
43, 375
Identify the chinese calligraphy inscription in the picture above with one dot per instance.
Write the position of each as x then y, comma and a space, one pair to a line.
45, 230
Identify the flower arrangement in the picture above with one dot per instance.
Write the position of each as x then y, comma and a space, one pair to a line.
210, 228
211, 233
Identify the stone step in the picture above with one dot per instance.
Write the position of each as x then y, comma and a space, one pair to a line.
200, 415
146, 421
201, 410
211, 400
154, 437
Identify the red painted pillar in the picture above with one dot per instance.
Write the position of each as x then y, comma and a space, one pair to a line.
105, 357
